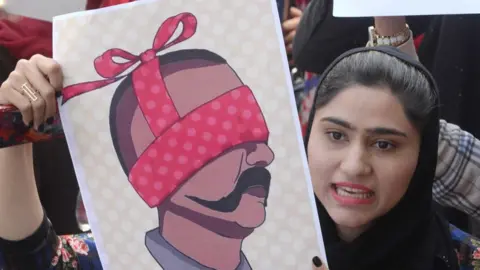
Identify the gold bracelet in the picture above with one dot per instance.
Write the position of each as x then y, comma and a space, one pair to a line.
393, 40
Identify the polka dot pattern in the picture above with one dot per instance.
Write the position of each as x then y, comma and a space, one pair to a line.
184, 154
119, 217
156, 105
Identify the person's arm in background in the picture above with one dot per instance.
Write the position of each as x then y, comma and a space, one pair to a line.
289, 27
458, 170
320, 37
390, 26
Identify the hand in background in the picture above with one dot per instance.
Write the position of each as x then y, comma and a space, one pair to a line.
290, 27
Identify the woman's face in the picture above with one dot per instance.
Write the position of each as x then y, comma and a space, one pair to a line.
362, 153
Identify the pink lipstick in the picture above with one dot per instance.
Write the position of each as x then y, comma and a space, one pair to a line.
352, 194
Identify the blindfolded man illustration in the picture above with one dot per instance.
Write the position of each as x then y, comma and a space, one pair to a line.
193, 141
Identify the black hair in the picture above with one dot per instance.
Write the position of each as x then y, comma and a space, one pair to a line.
376, 69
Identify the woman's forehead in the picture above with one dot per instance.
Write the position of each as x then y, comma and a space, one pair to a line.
366, 108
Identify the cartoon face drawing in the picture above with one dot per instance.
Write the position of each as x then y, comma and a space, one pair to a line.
193, 142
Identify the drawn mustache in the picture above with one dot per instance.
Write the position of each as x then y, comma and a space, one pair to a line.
253, 177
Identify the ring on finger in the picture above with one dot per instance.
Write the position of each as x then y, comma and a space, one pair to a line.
29, 92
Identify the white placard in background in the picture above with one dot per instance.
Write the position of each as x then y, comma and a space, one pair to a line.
370, 8
43, 10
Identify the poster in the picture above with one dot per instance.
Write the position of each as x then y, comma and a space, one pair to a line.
181, 121
370, 8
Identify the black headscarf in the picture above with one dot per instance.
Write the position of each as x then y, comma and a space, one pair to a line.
411, 236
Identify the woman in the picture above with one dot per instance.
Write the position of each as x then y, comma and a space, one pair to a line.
445, 45
372, 150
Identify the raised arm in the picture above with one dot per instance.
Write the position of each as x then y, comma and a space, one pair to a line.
392, 27
24, 230
321, 38
27, 89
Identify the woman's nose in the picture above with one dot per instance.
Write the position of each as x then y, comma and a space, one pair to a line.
356, 162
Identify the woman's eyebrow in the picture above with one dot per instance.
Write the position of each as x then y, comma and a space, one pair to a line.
386, 131
375, 130
338, 121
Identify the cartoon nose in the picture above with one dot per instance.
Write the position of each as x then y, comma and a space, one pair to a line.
259, 154
355, 162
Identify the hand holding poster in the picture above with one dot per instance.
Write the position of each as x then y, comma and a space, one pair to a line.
371, 8
185, 139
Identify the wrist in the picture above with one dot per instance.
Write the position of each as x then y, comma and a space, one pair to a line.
389, 37
389, 26
17, 154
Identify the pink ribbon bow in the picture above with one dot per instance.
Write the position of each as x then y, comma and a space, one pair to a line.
108, 68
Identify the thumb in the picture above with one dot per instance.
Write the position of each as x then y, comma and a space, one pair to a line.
5, 104
317, 264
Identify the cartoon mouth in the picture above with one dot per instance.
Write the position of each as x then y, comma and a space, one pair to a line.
257, 191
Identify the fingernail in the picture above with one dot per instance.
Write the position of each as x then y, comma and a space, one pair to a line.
49, 120
316, 261
41, 128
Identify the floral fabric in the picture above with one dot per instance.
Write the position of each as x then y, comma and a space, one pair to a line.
73, 251
47, 251
467, 248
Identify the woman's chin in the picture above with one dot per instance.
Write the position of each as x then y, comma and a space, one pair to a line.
350, 227
347, 219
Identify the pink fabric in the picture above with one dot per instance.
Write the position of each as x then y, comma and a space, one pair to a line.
183, 145
27, 37
187, 144
301, 4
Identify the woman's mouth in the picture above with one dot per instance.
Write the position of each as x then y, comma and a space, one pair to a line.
350, 194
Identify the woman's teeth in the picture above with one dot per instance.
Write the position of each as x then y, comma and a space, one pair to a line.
353, 192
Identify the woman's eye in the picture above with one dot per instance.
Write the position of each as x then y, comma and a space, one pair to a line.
383, 145
336, 136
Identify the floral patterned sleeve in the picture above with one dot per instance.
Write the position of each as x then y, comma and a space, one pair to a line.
44, 250
467, 248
